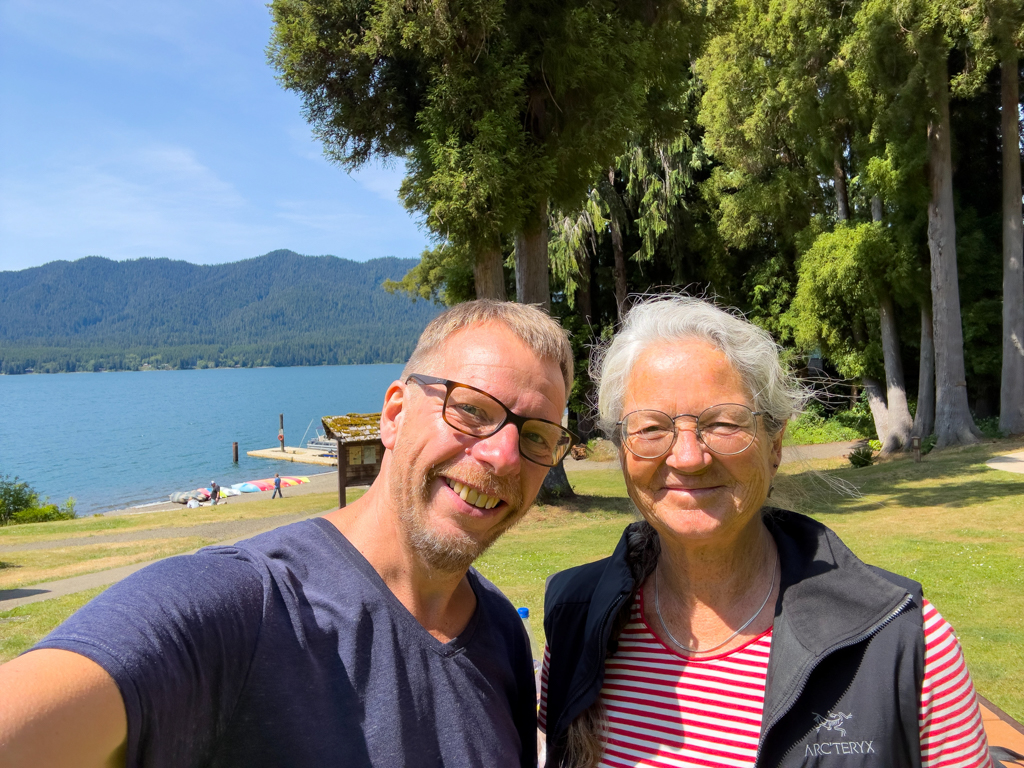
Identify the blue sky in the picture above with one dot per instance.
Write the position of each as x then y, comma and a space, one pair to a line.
157, 129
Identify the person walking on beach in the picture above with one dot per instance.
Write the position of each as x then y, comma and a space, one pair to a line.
277, 487
361, 638
214, 492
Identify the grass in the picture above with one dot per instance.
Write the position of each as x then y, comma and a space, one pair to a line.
22, 567
950, 522
21, 628
82, 527
18, 569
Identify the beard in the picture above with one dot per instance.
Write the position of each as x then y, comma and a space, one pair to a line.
453, 551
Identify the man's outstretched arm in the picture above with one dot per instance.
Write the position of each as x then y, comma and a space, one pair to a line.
60, 709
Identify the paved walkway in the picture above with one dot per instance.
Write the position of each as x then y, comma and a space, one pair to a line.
1011, 462
1001, 729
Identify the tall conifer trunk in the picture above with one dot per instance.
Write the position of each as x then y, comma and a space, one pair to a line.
1011, 393
899, 424
842, 195
489, 274
924, 417
953, 422
618, 251
532, 286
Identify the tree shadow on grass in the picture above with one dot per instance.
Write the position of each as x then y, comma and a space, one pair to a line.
582, 505
970, 490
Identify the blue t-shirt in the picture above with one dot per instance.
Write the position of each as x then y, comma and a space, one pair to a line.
289, 650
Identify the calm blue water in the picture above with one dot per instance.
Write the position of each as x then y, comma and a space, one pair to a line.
113, 440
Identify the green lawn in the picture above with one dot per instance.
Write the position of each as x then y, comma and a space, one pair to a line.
950, 522
81, 556
84, 527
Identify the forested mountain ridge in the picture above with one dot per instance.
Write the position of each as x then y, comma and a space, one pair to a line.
278, 309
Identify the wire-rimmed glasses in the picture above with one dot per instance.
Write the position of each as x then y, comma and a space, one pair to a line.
726, 429
474, 412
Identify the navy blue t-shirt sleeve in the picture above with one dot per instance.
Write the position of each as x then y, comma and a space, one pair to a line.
178, 639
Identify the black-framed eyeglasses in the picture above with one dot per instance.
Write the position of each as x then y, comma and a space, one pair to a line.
726, 429
474, 412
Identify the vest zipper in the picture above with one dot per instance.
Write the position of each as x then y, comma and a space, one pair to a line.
839, 646
604, 648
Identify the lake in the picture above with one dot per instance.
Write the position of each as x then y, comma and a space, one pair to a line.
113, 440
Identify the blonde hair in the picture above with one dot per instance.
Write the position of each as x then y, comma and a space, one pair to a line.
535, 328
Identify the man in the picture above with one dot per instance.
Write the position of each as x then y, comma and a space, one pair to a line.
361, 638
277, 487
214, 492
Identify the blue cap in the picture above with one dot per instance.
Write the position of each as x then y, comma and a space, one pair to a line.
524, 613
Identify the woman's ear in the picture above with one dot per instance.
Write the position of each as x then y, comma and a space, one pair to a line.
391, 414
777, 451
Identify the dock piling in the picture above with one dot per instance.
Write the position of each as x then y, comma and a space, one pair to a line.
234, 452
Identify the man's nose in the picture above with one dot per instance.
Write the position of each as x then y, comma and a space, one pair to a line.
500, 451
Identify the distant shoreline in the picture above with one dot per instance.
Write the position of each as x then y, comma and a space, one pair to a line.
150, 369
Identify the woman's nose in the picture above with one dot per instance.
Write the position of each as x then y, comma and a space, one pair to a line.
688, 452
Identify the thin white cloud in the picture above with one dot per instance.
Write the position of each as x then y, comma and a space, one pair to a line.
104, 30
382, 180
152, 201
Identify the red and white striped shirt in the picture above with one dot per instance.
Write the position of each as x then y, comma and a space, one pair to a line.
666, 710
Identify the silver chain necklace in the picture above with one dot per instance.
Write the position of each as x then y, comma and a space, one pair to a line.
747, 623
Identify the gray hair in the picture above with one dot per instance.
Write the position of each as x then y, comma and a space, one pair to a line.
749, 349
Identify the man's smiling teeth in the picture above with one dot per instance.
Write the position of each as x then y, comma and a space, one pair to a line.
472, 495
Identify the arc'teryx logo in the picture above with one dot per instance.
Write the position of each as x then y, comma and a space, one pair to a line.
834, 721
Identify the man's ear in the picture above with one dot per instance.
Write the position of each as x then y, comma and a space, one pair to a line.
391, 414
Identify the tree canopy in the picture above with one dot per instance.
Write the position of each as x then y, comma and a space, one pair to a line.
826, 167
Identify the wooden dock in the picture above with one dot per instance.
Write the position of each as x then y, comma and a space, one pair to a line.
300, 455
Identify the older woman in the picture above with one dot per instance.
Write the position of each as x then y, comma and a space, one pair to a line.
722, 631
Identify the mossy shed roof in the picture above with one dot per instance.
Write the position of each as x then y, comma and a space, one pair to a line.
352, 426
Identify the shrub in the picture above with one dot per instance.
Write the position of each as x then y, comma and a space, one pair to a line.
15, 496
44, 514
812, 427
599, 449
862, 456
989, 427
19, 503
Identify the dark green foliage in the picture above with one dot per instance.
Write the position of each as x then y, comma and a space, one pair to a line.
19, 503
863, 456
279, 309
45, 514
15, 496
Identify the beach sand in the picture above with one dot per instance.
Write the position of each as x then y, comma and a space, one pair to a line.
325, 482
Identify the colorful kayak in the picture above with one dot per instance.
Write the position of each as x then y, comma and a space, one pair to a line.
286, 482
252, 486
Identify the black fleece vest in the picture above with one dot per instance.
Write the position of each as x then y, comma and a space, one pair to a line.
846, 664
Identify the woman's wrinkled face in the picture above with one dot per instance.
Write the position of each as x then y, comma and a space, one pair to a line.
691, 492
